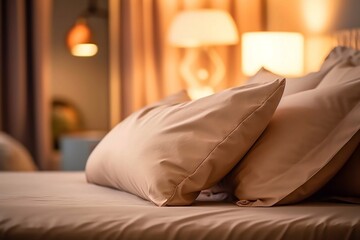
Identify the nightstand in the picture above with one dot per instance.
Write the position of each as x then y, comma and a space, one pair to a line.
76, 148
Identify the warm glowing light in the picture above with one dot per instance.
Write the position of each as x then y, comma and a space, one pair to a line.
316, 49
318, 14
279, 52
198, 31
84, 50
79, 40
203, 74
196, 93
203, 27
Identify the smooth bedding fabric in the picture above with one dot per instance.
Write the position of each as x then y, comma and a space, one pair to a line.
63, 206
298, 152
341, 73
168, 153
310, 137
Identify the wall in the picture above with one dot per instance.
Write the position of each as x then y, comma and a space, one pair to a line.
315, 19
348, 15
81, 81
313, 16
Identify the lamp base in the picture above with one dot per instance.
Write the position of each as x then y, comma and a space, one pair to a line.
201, 79
199, 92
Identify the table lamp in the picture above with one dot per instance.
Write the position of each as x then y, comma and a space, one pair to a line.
198, 32
279, 52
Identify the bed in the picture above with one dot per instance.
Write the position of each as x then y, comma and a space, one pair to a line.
64, 206
121, 205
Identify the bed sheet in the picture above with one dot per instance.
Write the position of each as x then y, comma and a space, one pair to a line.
62, 205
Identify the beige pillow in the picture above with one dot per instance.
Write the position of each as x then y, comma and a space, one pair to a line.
337, 56
169, 153
293, 85
178, 97
295, 156
262, 76
341, 73
346, 183
14, 156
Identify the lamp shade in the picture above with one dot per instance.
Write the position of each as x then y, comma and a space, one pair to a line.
280, 52
79, 40
203, 27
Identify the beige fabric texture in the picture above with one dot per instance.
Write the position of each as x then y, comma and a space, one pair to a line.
61, 205
326, 174
344, 72
293, 85
346, 182
168, 154
263, 75
307, 130
178, 97
336, 56
14, 156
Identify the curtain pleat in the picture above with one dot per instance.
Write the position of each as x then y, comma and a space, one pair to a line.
149, 66
24, 76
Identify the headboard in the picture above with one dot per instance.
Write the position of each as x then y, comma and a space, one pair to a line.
347, 38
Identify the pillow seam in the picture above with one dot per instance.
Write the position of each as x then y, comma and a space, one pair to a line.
222, 141
325, 164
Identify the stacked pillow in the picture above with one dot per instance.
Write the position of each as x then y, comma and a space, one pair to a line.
310, 137
343, 186
299, 152
337, 56
273, 150
14, 156
169, 152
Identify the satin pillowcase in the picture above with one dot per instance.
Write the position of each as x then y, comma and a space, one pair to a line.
297, 153
168, 153
343, 186
320, 123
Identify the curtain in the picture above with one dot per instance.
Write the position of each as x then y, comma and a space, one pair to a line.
24, 104
144, 68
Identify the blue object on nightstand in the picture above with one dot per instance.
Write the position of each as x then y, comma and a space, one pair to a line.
76, 148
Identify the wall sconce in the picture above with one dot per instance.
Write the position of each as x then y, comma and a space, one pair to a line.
79, 39
279, 52
198, 31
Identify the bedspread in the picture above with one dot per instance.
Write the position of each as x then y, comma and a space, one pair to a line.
62, 205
